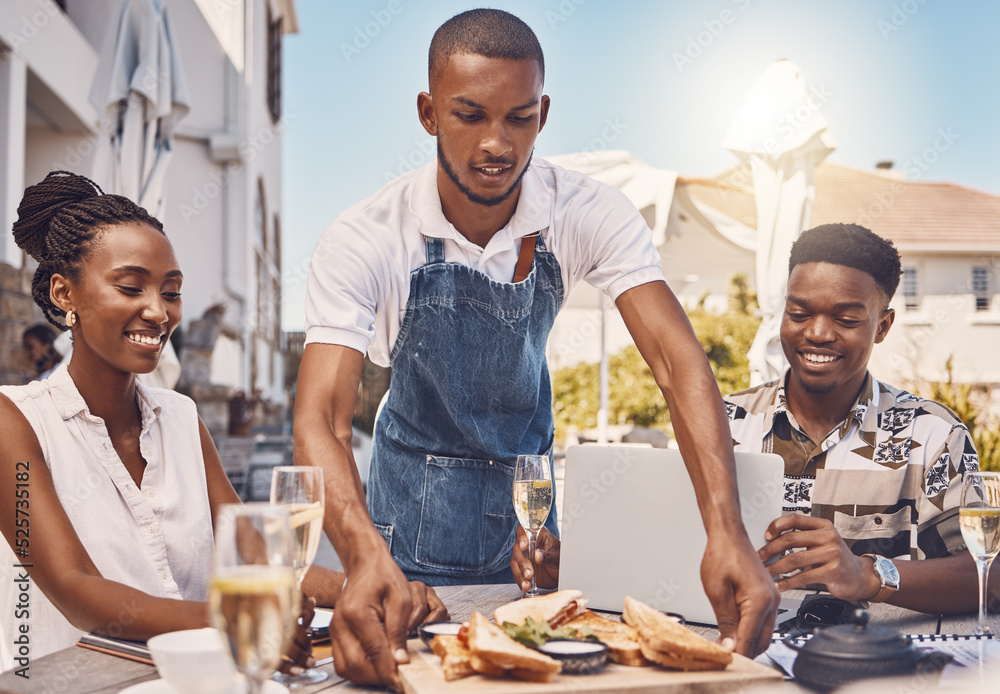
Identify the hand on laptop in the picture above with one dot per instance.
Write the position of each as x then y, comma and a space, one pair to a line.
823, 558
546, 560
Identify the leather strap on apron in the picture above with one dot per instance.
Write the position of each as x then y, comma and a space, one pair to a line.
525, 257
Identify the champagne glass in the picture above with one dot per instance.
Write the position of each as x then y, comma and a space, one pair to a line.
979, 518
532, 501
253, 597
300, 489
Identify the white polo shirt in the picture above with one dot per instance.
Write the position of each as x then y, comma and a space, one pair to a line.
359, 279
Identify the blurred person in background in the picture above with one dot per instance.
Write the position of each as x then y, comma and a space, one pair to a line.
39, 344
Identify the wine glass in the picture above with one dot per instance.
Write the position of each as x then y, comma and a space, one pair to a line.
300, 489
253, 597
532, 501
979, 518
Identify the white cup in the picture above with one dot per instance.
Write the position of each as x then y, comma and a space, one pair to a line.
194, 661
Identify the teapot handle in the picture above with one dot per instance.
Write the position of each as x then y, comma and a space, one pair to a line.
789, 640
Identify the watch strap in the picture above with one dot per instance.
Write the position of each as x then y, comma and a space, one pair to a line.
886, 589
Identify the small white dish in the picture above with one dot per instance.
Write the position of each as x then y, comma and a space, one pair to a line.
194, 661
161, 687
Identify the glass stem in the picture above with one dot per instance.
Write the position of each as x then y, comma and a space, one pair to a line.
984, 571
254, 685
532, 535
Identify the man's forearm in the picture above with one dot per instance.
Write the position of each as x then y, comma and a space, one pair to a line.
323, 584
667, 342
702, 432
329, 376
943, 586
346, 520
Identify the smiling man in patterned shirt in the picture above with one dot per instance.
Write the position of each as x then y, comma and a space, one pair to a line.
869, 500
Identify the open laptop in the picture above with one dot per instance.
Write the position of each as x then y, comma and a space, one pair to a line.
631, 525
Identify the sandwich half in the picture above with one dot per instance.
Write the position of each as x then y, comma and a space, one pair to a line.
491, 648
621, 639
671, 644
555, 608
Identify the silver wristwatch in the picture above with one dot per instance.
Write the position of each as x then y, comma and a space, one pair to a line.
887, 574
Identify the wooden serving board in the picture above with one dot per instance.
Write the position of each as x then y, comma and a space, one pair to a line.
423, 675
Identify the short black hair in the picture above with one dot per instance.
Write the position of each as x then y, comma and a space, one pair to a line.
485, 32
854, 246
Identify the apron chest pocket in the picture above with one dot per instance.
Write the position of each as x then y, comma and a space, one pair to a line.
467, 520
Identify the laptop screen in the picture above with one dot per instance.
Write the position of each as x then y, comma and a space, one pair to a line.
631, 525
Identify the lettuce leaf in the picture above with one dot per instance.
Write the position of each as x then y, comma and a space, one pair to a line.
535, 634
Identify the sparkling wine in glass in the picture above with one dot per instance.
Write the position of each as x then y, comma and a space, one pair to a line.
979, 518
253, 596
300, 489
532, 501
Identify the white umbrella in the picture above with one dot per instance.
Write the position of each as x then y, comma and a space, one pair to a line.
781, 134
645, 186
641, 183
141, 93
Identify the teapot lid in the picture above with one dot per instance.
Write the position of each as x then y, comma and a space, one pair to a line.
858, 640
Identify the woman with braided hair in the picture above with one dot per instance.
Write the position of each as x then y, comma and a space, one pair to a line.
122, 481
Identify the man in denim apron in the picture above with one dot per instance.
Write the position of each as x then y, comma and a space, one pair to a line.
454, 274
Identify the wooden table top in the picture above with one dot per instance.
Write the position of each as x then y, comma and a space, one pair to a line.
82, 671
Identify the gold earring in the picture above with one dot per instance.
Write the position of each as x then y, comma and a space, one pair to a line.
70, 318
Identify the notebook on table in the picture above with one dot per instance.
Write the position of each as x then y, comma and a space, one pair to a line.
631, 525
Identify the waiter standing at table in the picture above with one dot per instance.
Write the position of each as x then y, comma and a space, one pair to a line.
453, 274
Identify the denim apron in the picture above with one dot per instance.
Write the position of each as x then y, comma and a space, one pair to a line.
470, 391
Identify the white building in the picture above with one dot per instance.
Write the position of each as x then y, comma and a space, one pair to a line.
223, 185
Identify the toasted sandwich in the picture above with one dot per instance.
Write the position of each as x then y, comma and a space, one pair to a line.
456, 658
670, 644
555, 608
621, 639
491, 647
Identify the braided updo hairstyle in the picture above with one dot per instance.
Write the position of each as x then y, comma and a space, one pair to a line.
56, 222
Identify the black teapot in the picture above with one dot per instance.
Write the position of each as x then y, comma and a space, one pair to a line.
844, 653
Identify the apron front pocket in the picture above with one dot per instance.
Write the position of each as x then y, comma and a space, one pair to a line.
467, 521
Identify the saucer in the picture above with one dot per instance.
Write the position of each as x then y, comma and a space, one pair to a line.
161, 687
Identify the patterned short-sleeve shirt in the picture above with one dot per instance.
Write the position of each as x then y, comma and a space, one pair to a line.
883, 476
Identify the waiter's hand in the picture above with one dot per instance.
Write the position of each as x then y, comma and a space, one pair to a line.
546, 564
824, 558
427, 606
743, 595
371, 620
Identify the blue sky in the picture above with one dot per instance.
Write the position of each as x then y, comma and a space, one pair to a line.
661, 78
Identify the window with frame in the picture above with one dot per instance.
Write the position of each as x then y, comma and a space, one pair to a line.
911, 288
274, 36
981, 287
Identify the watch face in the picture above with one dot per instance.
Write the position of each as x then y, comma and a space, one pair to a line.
888, 571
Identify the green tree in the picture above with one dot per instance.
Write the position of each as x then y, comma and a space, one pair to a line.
985, 429
633, 396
